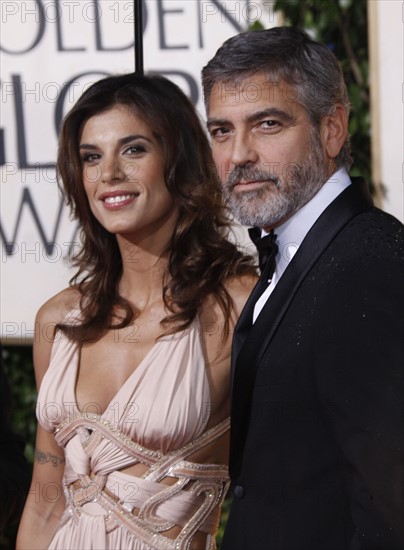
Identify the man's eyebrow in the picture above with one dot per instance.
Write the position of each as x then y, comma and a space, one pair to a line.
254, 117
270, 112
217, 122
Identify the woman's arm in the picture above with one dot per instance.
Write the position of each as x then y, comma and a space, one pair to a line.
46, 502
217, 343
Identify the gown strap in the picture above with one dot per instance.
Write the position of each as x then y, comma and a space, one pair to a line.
165, 465
96, 426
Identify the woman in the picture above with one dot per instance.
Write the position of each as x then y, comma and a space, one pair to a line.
134, 385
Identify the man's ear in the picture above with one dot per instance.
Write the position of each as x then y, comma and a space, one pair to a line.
334, 131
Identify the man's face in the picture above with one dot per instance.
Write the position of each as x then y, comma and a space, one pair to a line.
270, 159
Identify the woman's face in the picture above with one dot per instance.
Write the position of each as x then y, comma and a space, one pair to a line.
123, 176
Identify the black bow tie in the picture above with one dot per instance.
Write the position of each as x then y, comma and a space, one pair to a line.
267, 250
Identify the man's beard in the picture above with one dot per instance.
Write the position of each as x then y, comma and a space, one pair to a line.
283, 195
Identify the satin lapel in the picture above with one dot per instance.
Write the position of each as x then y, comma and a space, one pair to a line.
353, 200
244, 322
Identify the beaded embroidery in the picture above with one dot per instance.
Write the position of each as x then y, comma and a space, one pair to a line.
206, 493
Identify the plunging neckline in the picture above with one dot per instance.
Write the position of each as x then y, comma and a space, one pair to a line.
153, 348
162, 404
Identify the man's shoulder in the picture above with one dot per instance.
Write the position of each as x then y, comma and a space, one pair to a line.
377, 223
372, 233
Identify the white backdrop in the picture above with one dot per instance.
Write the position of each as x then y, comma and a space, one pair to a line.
52, 49
388, 68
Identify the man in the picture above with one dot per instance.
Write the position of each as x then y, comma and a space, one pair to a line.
317, 436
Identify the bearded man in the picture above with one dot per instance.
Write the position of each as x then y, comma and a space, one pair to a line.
317, 398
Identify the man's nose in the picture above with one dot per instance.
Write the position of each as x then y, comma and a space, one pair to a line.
243, 150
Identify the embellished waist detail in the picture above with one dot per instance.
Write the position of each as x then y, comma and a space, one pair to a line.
159, 507
144, 505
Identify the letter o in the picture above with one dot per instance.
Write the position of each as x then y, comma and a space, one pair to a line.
55, 489
39, 36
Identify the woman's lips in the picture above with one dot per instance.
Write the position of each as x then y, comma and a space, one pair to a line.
114, 201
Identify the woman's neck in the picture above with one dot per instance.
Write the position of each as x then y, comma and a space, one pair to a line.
143, 271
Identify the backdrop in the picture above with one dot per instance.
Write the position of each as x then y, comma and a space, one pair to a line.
51, 50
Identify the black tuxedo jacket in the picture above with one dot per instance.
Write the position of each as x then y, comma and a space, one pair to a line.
317, 436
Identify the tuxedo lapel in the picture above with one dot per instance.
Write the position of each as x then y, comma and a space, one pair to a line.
254, 340
244, 322
267, 249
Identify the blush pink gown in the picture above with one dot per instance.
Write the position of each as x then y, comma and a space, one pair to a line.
157, 418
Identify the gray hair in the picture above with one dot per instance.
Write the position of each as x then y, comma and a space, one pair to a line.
288, 54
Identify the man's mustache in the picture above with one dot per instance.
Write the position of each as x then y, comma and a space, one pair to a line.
245, 174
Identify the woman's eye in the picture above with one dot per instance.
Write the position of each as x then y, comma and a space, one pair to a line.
135, 149
90, 157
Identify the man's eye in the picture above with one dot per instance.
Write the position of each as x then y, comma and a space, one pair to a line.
218, 132
270, 123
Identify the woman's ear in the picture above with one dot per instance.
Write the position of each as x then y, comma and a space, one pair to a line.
334, 131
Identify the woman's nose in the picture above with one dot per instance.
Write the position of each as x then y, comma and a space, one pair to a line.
112, 171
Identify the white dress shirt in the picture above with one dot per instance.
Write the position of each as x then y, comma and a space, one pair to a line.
290, 234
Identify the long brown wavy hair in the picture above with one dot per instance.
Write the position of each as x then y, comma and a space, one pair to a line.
201, 258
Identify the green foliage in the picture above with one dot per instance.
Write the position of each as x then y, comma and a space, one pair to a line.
223, 520
19, 370
342, 25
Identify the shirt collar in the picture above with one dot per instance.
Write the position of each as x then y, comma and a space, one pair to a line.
290, 234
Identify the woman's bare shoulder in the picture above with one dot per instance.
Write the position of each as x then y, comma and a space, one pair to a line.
56, 308
49, 315
240, 289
